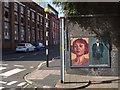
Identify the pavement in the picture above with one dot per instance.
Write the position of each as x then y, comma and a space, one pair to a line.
50, 78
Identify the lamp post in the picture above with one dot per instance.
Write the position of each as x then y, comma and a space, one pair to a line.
62, 51
47, 37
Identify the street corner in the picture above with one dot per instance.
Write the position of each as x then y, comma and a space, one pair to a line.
36, 74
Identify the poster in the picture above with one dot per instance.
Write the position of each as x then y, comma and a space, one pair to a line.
89, 51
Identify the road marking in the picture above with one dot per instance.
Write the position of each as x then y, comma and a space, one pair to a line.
10, 83
31, 67
2, 82
1, 88
11, 72
3, 64
18, 65
35, 53
26, 85
46, 86
21, 84
2, 68
21, 57
38, 67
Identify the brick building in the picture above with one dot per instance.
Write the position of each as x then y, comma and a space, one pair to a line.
25, 22
53, 26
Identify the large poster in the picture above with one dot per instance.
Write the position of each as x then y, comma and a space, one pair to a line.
89, 52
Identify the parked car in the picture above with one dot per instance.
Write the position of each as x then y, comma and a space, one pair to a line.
38, 46
26, 47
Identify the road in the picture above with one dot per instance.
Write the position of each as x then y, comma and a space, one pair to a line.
15, 66
32, 56
13, 72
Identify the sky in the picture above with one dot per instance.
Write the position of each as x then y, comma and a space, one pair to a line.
56, 8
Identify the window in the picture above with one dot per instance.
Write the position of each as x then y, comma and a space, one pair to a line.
38, 17
22, 9
22, 33
41, 20
22, 19
28, 21
16, 32
15, 6
33, 16
29, 34
33, 35
33, 24
6, 14
28, 13
6, 31
6, 3
38, 25
16, 16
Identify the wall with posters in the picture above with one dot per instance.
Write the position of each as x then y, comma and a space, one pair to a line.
88, 51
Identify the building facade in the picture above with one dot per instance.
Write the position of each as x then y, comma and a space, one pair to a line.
23, 22
53, 26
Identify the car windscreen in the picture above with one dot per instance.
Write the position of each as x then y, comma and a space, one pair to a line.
21, 44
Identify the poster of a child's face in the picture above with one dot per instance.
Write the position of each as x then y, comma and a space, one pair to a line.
79, 52
89, 52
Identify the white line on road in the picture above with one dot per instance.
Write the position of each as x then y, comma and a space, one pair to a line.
3, 64
31, 67
2, 82
11, 72
26, 85
38, 67
12, 82
2, 68
21, 57
21, 84
18, 65
35, 53
1, 88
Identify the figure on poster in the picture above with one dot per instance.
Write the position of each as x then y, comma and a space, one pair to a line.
80, 49
97, 50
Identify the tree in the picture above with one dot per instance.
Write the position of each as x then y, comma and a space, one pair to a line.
105, 19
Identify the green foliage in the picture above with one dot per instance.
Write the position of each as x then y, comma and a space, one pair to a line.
67, 6
78, 8
105, 21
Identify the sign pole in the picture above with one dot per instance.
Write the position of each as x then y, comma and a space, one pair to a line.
47, 37
62, 49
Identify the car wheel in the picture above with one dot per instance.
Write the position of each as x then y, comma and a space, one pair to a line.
35, 49
27, 50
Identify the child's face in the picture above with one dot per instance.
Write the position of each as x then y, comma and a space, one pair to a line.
79, 48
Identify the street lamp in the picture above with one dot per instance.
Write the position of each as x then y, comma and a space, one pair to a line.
47, 37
